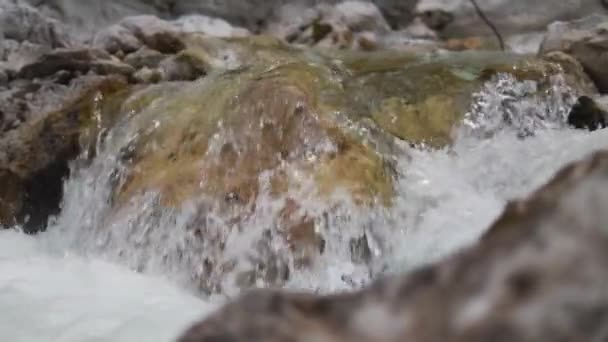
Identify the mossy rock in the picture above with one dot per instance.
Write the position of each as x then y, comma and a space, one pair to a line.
276, 105
219, 134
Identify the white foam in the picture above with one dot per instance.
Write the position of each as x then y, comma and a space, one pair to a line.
46, 296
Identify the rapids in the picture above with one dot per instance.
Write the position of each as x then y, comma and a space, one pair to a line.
76, 282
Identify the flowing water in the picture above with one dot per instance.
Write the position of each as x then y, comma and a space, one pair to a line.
92, 279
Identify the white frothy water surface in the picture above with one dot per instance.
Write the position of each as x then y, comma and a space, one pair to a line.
78, 281
46, 296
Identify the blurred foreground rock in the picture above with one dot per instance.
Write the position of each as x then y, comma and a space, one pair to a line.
536, 275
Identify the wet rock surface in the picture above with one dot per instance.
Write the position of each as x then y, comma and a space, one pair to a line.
36, 145
587, 40
588, 114
535, 275
218, 123
299, 129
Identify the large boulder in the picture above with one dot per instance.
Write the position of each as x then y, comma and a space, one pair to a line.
587, 40
536, 275
283, 140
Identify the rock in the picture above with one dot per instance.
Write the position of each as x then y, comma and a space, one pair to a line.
350, 24
588, 114
398, 13
144, 57
269, 120
23, 23
361, 16
87, 17
253, 14
185, 66
587, 40
536, 275
147, 75
17, 55
458, 19
132, 33
525, 43
25, 34
53, 120
213, 27
76, 61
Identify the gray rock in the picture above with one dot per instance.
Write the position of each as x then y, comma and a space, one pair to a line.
144, 57
537, 275
134, 32
253, 14
587, 40
26, 34
21, 22
79, 61
146, 75
91, 15
184, 66
525, 43
17, 54
349, 24
457, 18
213, 27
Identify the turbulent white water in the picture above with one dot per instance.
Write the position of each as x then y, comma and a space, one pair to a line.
61, 287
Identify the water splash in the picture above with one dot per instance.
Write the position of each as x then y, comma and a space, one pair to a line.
510, 143
445, 199
521, 106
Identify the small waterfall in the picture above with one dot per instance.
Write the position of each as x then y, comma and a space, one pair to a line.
445, 199
105, 274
